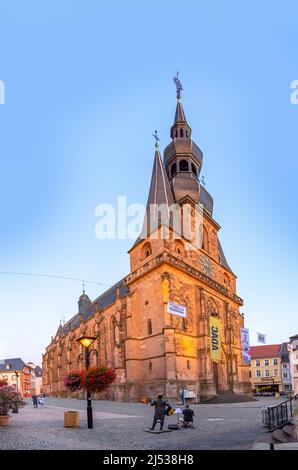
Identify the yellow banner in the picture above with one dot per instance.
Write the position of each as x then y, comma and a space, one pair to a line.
215, 340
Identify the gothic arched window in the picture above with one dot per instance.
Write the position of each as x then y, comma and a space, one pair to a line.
113, 330
146, 250
205, 240
226, 279
181, 132
183, 165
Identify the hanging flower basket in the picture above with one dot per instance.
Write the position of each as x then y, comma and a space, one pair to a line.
73, 381
97, 379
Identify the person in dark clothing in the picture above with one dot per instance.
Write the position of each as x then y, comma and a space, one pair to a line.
160, 411
188, 415
34, 400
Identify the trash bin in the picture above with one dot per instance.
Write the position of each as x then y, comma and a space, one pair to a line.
71, 419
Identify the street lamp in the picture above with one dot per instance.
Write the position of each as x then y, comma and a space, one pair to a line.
273, 383
86, 341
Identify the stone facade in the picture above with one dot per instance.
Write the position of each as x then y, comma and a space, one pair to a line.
152, 350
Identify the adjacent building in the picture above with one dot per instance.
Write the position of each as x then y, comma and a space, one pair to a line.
17, 374
293, 353
285, 368
35, 379
270, 368
153, 326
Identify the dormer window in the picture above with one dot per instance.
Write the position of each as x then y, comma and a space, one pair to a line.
8, 366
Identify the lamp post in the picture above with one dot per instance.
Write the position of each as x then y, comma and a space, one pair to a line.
16, 408
86, 341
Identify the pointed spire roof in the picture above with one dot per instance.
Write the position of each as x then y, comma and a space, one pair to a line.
160, 191
179, 115
160, 198
180, 122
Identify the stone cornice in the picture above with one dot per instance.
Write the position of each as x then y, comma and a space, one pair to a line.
174, 261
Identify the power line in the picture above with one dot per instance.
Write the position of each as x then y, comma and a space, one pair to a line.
53, 276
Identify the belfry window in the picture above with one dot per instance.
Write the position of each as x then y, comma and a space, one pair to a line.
146, 250
173, 169
183, 165
193, 169
181, 132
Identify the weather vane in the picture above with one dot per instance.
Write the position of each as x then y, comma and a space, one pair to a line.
178, 85
157, 139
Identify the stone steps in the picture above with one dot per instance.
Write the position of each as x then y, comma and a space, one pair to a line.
226, 396
283, 435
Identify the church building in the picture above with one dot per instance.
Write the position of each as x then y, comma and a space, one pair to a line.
173, 323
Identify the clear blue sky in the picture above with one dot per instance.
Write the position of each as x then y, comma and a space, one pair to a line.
87, 82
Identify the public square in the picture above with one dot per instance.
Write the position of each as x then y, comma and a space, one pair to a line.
119, 425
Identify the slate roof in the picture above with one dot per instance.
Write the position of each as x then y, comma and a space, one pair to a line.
223, 260
38, 371
206, 200
266, 351
159, 194
99, 304
15, 364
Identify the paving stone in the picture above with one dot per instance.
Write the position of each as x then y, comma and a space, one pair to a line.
119, 425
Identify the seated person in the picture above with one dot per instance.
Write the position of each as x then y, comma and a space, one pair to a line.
188, 415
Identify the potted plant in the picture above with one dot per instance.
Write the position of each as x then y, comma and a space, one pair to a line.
9, 399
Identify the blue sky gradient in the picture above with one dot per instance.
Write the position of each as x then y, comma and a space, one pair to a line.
86, 85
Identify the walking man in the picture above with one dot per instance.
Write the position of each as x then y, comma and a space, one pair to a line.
34, 400
160, 411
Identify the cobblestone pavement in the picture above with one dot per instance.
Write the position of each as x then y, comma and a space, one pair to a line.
120, 426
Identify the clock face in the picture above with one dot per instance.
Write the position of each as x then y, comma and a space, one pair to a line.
206, 266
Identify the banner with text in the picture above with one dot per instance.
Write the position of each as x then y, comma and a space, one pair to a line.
245, 346
176, 309
215, 340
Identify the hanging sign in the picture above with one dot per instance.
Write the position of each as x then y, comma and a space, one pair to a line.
246, 358
215, 340
176, 309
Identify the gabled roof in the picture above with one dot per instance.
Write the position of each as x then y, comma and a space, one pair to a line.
266, 351
15, 364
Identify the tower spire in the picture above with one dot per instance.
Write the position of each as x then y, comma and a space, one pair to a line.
180, 128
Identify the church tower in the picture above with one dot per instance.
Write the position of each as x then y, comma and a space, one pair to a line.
175, 348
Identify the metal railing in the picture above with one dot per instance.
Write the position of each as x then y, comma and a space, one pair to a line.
274, 417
